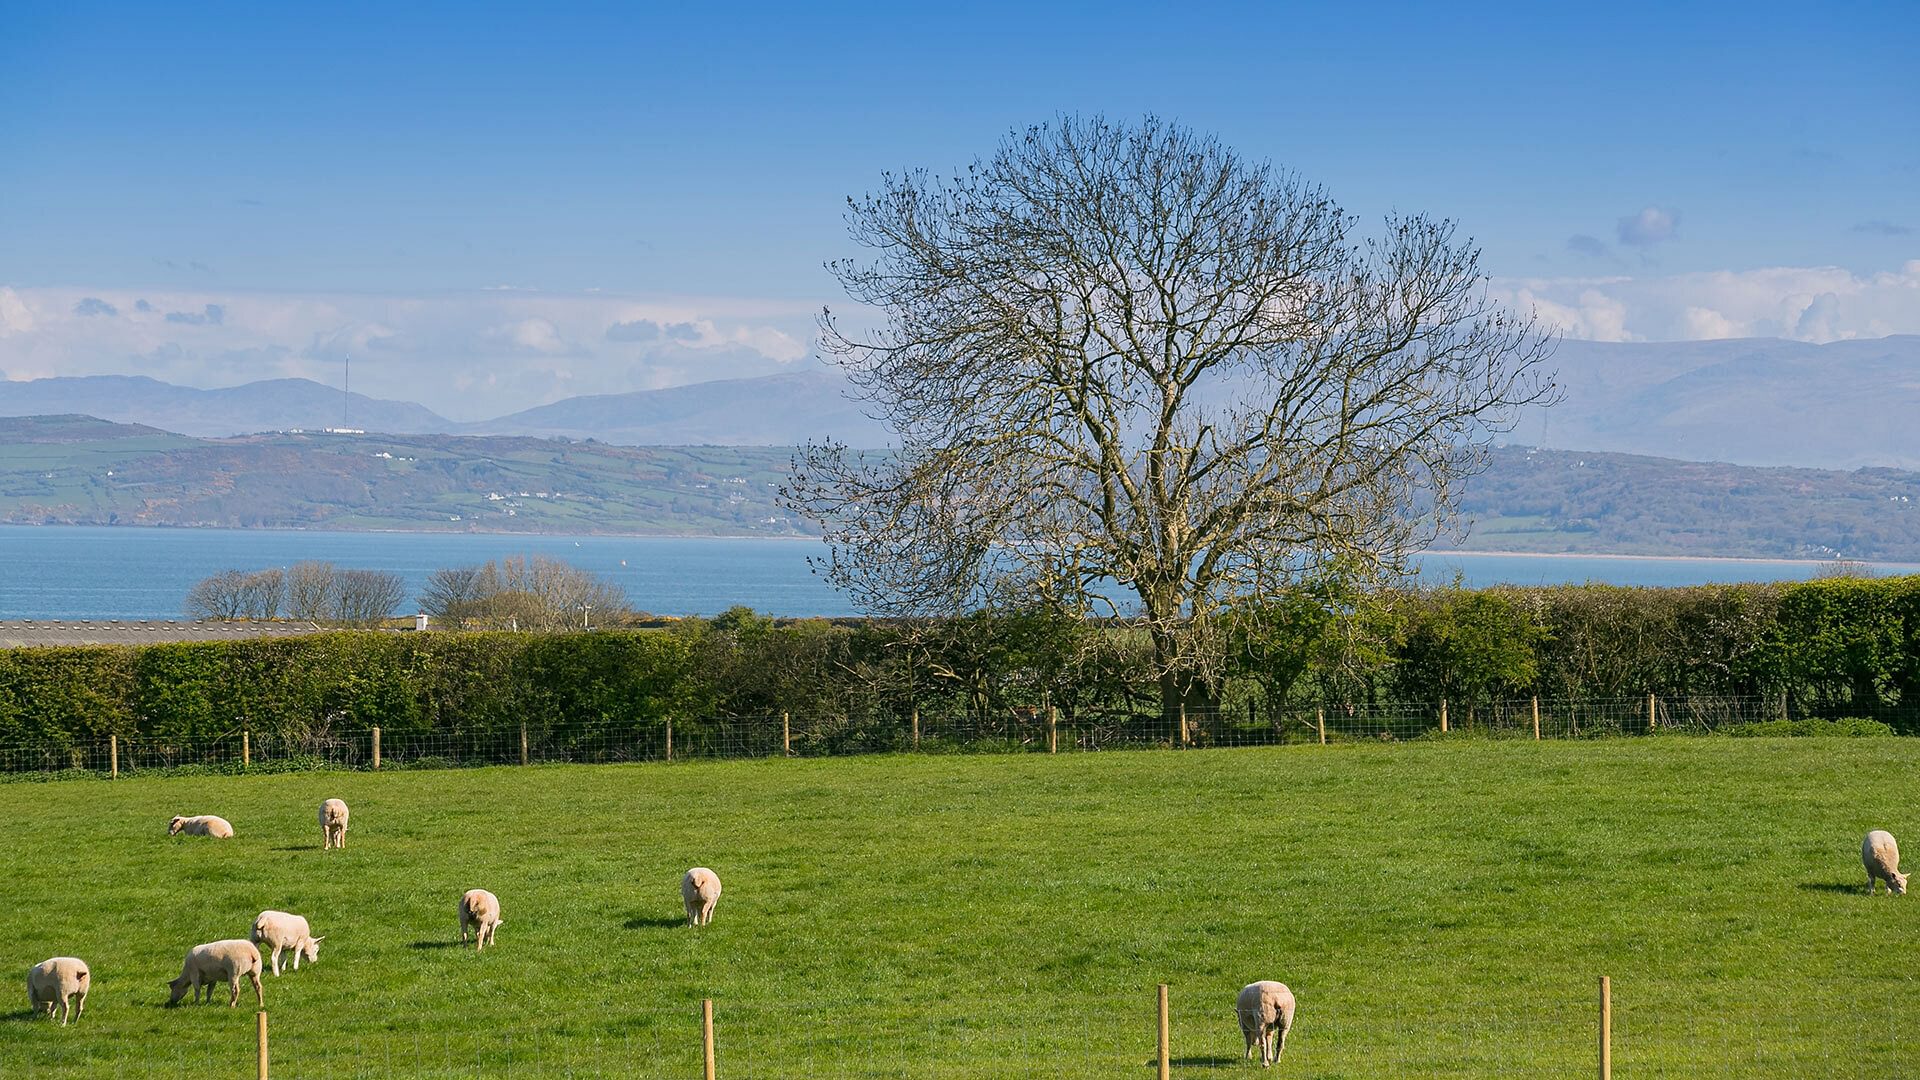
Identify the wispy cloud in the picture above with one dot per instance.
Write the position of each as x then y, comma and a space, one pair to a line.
466, 355
1883, 228
1652, 225
1818, 304
1591, 246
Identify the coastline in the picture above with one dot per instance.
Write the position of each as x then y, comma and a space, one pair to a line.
1666, 558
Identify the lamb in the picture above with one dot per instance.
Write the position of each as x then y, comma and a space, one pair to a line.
699, 891
280, 931
200, 825
480, 909
59, 981
216, 960
1882, 858
333, 825
1266, 1013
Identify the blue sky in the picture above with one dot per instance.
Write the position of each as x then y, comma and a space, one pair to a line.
695, 159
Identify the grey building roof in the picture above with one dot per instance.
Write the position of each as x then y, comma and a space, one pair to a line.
25, 632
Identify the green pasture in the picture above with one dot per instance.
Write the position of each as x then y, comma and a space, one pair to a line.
1440, 909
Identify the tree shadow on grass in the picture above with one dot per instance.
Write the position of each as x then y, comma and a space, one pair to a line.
296, 847
653, 922
435, 945
1853, 888
1212, 1062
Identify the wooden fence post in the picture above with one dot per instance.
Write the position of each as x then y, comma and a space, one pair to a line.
706, 1033
1536, 718
1606, 1029
916, 729
786, 735
1166, 1057
113, 757
246, 748
1443, 715
261, 1028
1650, 718
1783, 705
1183, 723
1320, 720
669, 738
376, 749
1053, 729
523, 743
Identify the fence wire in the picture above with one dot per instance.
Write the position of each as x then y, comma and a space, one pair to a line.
1034, 730
1862, 1028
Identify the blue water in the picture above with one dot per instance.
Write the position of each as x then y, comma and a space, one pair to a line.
81, 572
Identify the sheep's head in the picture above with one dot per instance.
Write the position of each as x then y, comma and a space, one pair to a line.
1897, 883
179, 986
310, 947
174, 826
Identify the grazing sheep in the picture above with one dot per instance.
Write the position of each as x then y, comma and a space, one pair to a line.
481, 910
1266, 1013
333, 825
59, 981
279, 930
699, 891
200, 825
1882, 858
215, 961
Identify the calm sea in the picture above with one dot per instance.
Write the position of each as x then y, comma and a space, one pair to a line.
62, 572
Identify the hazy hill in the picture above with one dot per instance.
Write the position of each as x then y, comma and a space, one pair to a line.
1753, 401
773, 410
268, 405
75, 470
1756, 402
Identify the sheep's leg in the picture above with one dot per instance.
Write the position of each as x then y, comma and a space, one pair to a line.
233, 985
259, 998
1279, 1044
82, 1009
65, 1006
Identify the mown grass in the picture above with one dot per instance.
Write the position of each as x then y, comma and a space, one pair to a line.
1440, 909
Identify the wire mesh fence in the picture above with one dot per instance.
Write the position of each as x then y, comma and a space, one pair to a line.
1722, 1030
1018, 730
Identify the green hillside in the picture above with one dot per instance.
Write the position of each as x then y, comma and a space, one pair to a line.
76, 470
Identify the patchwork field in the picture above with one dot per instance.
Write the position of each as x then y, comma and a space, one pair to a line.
1440, 910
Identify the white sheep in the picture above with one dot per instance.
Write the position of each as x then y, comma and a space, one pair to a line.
218, 961
1882, 858
280, 931
699, 892
200, 825
1266, 1014
333, 825
481, 910
59, 981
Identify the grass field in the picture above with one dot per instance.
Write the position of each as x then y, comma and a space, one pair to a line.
1440, 910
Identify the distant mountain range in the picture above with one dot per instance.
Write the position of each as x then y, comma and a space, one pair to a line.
80, 470
1752, 401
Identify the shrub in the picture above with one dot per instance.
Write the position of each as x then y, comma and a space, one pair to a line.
1847, 727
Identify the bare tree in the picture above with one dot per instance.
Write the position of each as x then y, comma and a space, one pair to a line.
219, 596
364, 597
261, 593
536, 593
1133, 373
312, 592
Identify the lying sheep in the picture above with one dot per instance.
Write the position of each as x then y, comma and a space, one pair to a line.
59, 981
1882, 858
481, 910
333, 825
699, 891
279, 930
215, 961
1266, 1013
200, 825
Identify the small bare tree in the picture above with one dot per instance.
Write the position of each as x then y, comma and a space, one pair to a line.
312, 591
261, 593
1135, 374
536, 593
364, 597
454, 594
218, 596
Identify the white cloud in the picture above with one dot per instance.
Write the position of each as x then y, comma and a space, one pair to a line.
466, 355
1817, 304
